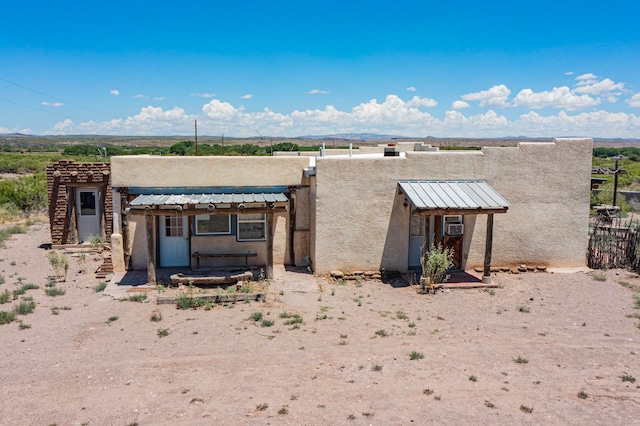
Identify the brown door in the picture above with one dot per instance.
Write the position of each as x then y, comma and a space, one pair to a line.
455, 242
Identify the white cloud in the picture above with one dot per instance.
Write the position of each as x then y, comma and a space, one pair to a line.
568, 73
417, 101
594, 87
139, 96
53, 104
114, 92
317, 92
203, 95
587, 78
494, 97
159, 98
558, 97
393, 115
634, 101
247, 96
411, 89
459, 105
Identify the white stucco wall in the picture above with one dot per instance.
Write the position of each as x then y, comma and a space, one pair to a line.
361, 222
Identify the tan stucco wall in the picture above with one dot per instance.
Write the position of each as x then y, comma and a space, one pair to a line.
154, 171
361, 222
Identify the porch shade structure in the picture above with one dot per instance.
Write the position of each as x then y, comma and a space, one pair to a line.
151, 205
457, 197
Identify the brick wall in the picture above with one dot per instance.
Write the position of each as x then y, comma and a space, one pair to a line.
63, 178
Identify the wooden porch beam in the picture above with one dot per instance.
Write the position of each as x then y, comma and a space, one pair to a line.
151, 250
486, 275
194, 212
453, 212
270, 225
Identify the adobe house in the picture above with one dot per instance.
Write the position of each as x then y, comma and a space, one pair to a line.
79, 196
501, 205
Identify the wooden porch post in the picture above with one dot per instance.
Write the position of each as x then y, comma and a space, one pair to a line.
486, 275
269, 225
151, 250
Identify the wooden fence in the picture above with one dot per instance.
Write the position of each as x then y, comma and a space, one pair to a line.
614, 245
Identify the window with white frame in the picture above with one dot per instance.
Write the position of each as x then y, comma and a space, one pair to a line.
213, 224
251, 227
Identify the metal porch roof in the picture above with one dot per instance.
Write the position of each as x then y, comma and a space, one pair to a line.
460, 195
237, 198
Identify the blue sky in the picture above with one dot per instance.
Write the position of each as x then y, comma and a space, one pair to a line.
457, 68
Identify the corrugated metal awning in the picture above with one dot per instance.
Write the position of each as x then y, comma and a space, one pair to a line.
181, 199
453, 196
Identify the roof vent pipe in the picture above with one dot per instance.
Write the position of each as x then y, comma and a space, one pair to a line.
211, 207
323, 148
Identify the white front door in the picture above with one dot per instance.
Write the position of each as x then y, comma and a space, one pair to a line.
174, 241
87, 213
416, 240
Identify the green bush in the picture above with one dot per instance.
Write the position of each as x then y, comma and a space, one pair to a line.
435, 264
6, 317
26, 192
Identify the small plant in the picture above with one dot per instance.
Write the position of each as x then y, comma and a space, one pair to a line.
490, 291
401, 315
412, 324
99, 288
636, 298
427, 391
256, 316
524, 309
489, 404
156, 316
473, 378
96, 242
628, 378
266, 323
54, 291
376, 367
5, 297
435, 261
7, 317
582, 395
599, 275
521, 360
262, 407
24, 326
284, 410
415, 355
351, 417
526, 409
25, 307
140, 297
381, 333
59, 263
196, 401
82, 261
112, 319
163, 332
2, 280
50, 283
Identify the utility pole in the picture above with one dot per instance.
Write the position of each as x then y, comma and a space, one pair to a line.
195, 122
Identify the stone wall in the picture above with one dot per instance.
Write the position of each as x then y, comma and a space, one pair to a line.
63, 178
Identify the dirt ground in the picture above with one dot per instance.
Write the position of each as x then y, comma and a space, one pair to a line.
541, 349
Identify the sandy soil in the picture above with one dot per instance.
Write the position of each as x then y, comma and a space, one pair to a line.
349, 363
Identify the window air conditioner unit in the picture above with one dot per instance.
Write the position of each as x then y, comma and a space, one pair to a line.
455, 229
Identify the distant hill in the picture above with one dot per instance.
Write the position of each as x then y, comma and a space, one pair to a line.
354, 136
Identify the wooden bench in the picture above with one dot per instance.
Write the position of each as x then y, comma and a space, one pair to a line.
197, 255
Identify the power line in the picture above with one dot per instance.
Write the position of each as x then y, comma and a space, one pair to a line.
56, 98
36, 109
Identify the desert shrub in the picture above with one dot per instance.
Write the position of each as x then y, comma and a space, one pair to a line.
7, 232
435, 264
26, 192
59, 263
25, 307
7, 317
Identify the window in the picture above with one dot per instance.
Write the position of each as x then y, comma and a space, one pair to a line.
87, 203
207, 224
251, 227
173, 226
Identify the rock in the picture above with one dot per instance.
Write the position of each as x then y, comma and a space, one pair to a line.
337, 274
370, 273
505, 269
541, 268
522, 268
376, 277
478, 269
358, 272
350, 277
531, 268
493, 269
515, 271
